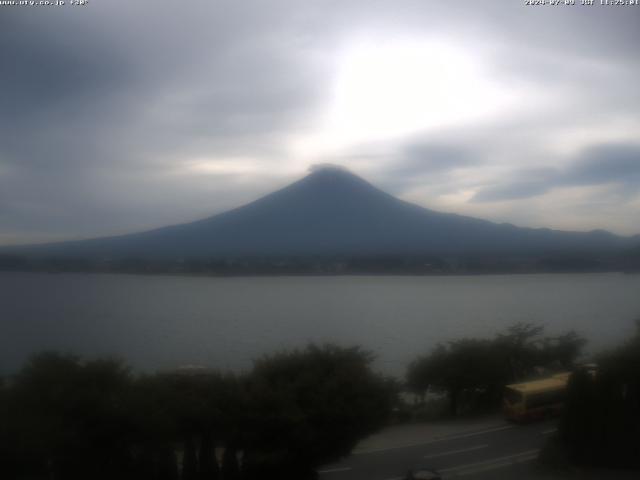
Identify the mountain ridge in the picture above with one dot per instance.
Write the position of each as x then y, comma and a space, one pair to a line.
332, 211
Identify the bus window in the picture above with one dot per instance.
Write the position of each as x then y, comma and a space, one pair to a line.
543, 399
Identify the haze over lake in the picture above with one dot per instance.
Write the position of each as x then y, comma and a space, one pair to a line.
157, 322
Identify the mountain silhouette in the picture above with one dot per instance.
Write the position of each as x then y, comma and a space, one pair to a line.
334, 212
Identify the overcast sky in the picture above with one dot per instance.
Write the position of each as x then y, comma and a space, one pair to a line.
120, 116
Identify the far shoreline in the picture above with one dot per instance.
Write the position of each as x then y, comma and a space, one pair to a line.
315, 274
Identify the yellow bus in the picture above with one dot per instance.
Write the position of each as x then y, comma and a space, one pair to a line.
536, 399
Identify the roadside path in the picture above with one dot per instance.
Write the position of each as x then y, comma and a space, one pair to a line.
480, 449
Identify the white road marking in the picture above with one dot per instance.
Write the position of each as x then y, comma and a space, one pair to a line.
453, 452
490, 464
334, 470
444, 438
547, 432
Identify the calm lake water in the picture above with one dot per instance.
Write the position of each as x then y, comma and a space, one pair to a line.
158, 322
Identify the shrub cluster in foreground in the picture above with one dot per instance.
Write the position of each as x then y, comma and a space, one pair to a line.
62, 418
601, 421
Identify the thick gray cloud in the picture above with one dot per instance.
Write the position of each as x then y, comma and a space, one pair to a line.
121, 115
419, 163
518, 189
607, 164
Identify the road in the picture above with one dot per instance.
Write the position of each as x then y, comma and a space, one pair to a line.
499, 450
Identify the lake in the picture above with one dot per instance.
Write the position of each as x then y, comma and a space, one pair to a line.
158, 322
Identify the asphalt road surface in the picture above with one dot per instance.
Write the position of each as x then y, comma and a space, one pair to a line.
501, 450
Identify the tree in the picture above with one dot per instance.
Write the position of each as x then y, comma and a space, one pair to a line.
310, 407
65, 418
209, 469
193, 410
520, 346
479, 368
601, 421
459, 366
561, 352
577, 424
230, 467
69, 417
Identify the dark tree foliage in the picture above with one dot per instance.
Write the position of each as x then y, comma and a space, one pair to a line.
209, 469
6, 445
601, 422
310, 407
67, 419
190, 460
230, 466
478, 369
577, 422
191, 412
460, 366
520, 347
62, 418
561, 352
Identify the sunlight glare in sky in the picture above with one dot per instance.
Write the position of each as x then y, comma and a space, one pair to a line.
385, 90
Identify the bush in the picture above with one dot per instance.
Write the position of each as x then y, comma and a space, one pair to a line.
601, 422
310, 407
63, 418
473, 372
